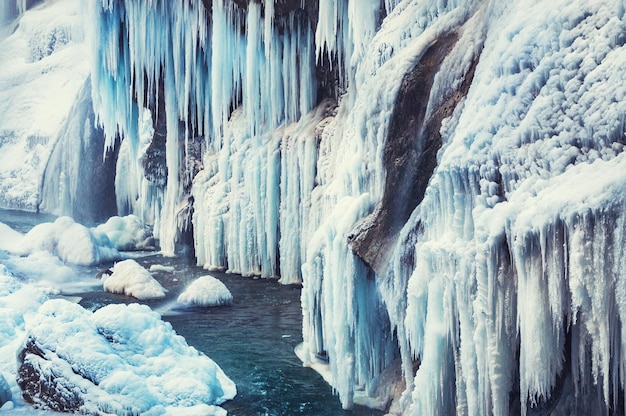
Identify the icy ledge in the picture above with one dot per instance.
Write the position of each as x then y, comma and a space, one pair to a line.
121, 359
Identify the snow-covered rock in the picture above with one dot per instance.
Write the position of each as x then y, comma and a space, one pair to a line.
131, 279
121, 359
71, 242
206, 291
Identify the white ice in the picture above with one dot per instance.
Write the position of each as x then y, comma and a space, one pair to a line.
206, 291
132, 279
161, 268
127, 360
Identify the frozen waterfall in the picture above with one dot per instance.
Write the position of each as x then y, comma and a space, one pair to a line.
445, 179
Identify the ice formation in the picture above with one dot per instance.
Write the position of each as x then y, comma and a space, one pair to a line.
130, 278
120, 359
206, 291
42, 69
445, 179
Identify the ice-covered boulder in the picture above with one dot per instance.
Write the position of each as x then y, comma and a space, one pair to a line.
70, 241
130, 278
206, 291
121, 359
127, 233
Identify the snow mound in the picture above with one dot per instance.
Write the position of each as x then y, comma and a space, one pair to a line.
121, 359
206, 291
127, 233
71, 242
131, 279
9, 237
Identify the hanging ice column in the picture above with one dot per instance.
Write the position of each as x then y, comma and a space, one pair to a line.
147, 54
267, 73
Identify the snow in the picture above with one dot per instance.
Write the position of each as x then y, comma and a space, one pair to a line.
131, 279
162, 268
148, 368
69, 241
127, 360
16, 301
206, 291
42, 69
9, 237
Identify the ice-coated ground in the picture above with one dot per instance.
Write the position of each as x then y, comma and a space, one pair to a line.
206, 291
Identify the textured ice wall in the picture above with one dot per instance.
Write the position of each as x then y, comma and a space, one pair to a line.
515, 301
503, 290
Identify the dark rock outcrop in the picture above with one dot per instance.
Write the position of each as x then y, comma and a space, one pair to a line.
43, 384
410, 154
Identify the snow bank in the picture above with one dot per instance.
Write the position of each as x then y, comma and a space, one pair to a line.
76, 244
206, 291
9, 237
131, 279
121, 359
127, 233
71, 242
42, 68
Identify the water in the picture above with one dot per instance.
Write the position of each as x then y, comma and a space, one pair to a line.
253, 340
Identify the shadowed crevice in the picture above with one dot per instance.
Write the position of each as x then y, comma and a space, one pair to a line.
410, 154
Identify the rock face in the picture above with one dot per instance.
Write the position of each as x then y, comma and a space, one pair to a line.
410, 154
43, 383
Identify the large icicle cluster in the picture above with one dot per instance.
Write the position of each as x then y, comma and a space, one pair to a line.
504, 290
230, 58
